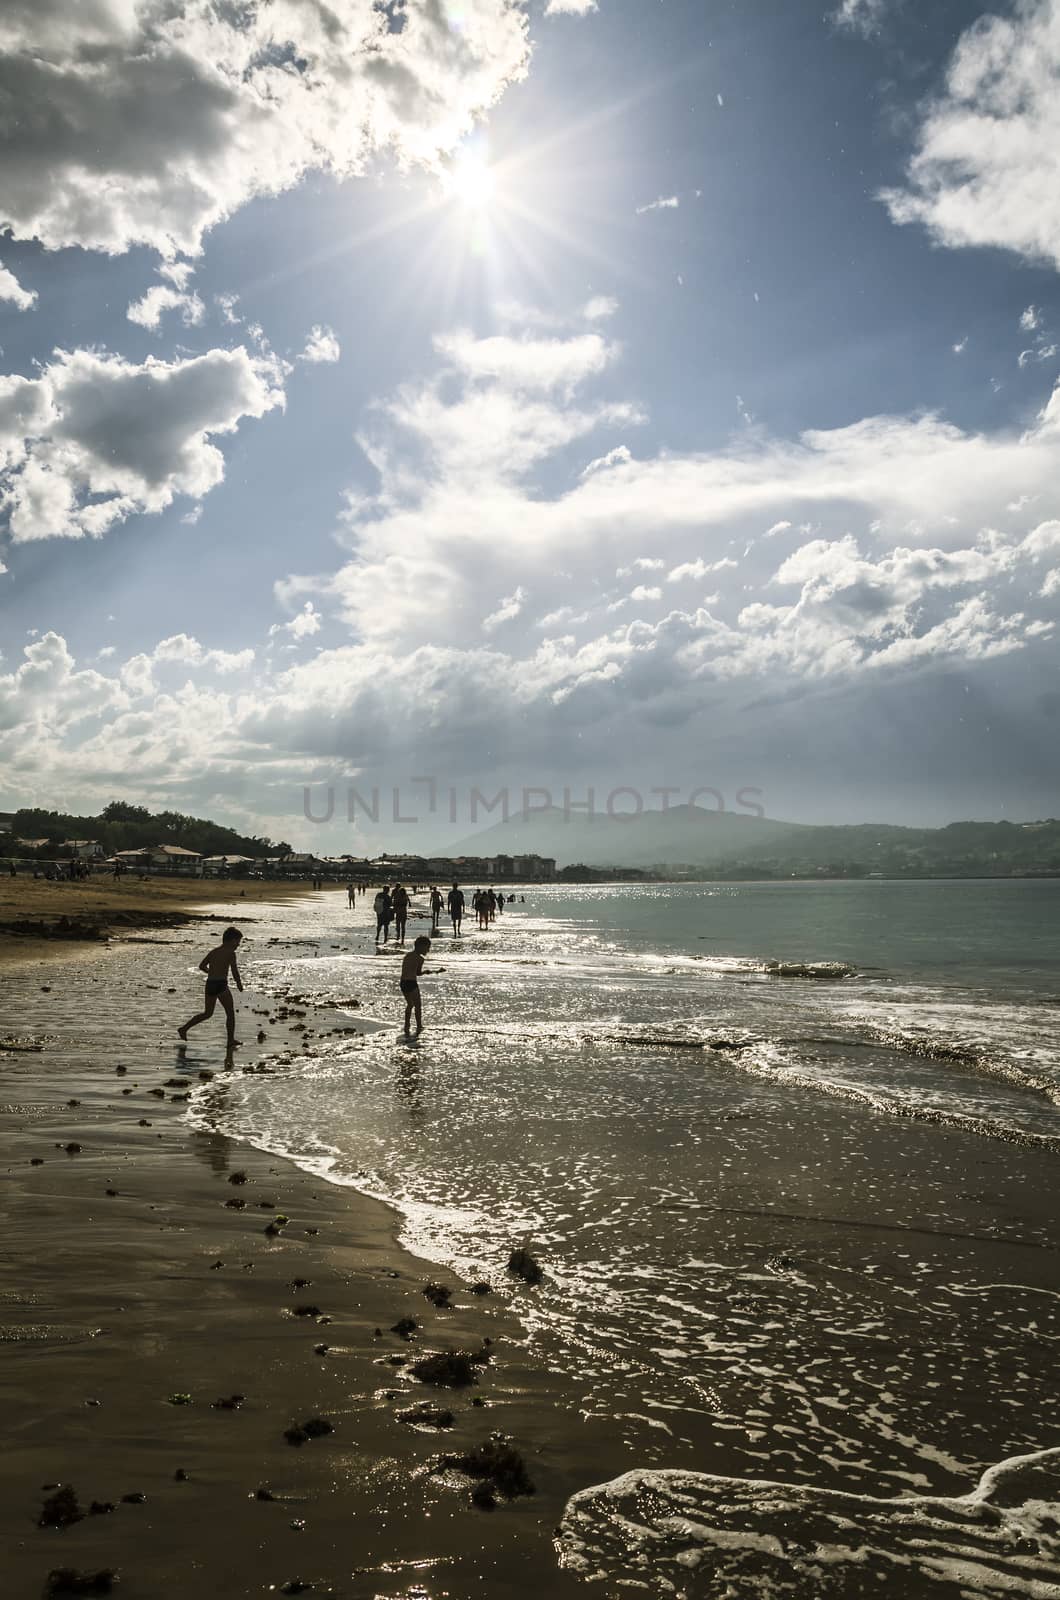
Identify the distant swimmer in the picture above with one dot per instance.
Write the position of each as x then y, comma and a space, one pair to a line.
455, 902
436, 907
491, 905
218, 965
400, 901
384, 913
500, 903
412, 969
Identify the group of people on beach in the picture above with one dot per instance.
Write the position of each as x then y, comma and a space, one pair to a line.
391, 908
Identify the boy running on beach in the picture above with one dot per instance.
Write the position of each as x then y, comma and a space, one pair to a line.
217, 965
411, 968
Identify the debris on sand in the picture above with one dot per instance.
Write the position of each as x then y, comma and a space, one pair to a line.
306, 1311
427, 1416
228, 1402
450, 1369
405, 1327
237, 1177
235, 1205
521, 1264
498, 1468
64, 1581
439, 1295
60, 1510
312, 1428
180, 1400
482, 1288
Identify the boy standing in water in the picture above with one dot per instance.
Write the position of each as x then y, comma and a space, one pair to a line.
411, 968
217, 965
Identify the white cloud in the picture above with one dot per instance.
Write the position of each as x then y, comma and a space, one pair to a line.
664, 203
986, 170
301, 626
160, 298
1031, 319
961, 346
507, 611
148, 123
860, 16
570, 8
94, 439
321, 345
528, 363
182, 648
698, 569
614, 458
12, 291
777, 527
641, 564
600, 307
939, 570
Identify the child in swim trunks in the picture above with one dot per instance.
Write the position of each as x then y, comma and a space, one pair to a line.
411, 968
217, 966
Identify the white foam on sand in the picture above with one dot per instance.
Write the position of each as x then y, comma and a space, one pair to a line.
688, 1535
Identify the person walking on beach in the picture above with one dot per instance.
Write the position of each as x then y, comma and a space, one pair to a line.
384, 913
218, 965
436, 907
456, 907
491, 905
411, 969
351, 895
500, 903
401, 911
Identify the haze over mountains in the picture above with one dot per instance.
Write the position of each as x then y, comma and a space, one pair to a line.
690, 836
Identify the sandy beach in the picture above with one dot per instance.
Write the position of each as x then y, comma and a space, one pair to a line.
153, 1271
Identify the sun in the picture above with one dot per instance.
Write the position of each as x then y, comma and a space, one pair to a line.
470, 181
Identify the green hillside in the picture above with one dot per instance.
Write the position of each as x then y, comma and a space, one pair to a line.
125, 827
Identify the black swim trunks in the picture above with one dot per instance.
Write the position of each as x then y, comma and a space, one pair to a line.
409, 986
216, 986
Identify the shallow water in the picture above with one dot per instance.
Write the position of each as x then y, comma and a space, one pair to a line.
736, 1266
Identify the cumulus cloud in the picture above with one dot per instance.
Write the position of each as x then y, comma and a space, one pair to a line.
321, 345
663, 203
148, 121
986, 169
94, 439
301, 626
599, 307
508, 609
182, 648
915, 550
13, 292
697, 569
570, 8
161, 297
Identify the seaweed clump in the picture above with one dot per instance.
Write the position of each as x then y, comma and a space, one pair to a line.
64, 1581
61, 1509
497, 1467
521, 1264
450, 1369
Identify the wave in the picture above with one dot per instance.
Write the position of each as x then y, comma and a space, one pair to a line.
690, 1534
986, 1059
777, 1070
815, 971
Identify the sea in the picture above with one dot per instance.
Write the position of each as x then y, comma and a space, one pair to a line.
763, 1140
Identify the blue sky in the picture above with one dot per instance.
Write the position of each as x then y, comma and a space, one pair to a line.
714, 445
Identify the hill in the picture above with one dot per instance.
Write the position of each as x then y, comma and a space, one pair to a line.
124, 827
729, 844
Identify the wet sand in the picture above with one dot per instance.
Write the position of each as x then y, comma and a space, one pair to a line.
117, 1305
132, 1281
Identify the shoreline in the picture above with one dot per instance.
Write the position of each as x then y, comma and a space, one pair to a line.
133, 1279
